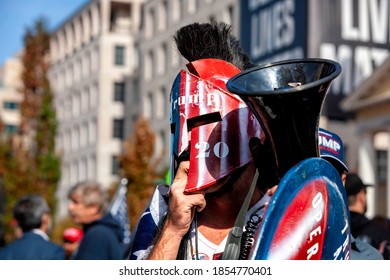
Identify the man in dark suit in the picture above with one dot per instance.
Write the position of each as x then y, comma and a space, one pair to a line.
33, 216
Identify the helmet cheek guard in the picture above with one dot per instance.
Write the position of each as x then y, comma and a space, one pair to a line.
210, 124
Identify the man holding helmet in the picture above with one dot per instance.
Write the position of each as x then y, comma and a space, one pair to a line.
214, 135
223, 164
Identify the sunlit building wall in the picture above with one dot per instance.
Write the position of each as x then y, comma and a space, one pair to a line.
92, 55
10, 96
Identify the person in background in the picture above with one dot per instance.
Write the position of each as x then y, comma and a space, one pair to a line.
32, 214
382, 221
71, 240
385, 223
332, 149
363, 228
102, 240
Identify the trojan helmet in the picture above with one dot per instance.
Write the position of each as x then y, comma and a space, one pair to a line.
210, 127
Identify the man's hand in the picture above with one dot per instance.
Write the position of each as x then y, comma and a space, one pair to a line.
181, 211
182, 206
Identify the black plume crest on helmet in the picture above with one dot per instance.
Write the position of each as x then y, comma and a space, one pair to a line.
211, 40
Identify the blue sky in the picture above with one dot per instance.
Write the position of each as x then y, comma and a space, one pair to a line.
17, 15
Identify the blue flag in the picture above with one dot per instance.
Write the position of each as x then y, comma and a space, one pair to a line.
118, 210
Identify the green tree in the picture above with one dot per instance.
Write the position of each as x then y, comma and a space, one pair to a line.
47, 162
32, 165
15, 175
38, 113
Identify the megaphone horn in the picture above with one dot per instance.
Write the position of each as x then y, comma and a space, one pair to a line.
287, 98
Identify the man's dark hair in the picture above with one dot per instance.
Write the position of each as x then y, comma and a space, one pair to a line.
29, 210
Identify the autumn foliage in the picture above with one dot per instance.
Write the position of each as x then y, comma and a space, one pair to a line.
28, 163
139, 165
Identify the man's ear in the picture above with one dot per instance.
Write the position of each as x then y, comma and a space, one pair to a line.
97, 208
46, 222
361, 195
45, 218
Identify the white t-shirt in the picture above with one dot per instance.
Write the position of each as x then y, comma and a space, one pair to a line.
210, 251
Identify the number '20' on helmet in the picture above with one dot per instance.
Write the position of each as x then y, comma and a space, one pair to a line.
210, 126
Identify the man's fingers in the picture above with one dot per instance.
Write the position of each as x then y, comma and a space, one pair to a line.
182, 170
201, 204
272, 190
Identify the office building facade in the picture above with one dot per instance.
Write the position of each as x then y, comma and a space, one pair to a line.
92, 60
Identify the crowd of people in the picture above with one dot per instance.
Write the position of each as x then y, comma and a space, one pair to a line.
98, 237
195, 217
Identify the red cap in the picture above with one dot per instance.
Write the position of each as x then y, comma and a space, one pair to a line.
72, 234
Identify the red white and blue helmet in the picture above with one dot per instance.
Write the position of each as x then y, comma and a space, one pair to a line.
210, 126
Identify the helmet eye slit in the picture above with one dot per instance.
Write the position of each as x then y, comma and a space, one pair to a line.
203, 119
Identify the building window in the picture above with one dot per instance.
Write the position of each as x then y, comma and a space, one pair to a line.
119, 55
161, 59
83, 169
382, 165
119, 91
176, 10
149, 23
65, 174
76, 104
175, 57
84, 97
74, 175
137, 56
86, 66
91, 165
118, 128
10, 128
163, 19
10, 105
67, 140
115, 165
94, 60
84, 135
93, 96
92, 132
148, 66
191, 8
75, 138
148, 105
160, 103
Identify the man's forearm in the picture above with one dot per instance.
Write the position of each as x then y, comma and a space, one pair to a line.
167, 246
